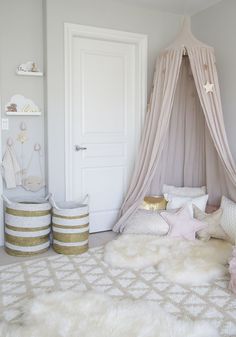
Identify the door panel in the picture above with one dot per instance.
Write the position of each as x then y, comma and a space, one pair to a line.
103, 80
103, 95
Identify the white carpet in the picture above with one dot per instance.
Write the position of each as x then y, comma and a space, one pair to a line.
212, 303
186, 262
89, 314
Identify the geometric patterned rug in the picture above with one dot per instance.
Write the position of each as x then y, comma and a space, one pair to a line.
88, 271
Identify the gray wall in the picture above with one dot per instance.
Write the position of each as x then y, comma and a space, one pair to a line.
22, 40
160, 28
217, 27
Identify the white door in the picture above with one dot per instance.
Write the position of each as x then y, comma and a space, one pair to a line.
105, 124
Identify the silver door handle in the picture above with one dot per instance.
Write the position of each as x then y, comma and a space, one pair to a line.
80, 148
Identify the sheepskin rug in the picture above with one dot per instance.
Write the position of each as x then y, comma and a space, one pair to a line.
70, 314
185, 262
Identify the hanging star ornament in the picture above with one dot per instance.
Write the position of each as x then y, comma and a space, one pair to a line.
208, 87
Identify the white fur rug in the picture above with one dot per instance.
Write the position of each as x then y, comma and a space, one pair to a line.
70, 314
186, 262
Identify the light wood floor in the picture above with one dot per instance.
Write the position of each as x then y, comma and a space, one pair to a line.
95, 240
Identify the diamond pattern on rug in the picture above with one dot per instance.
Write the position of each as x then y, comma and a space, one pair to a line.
18, 282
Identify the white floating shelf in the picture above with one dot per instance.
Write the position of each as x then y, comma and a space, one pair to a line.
23, 113
29, 73
21, 106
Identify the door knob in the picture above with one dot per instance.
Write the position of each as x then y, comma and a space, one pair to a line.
80, 148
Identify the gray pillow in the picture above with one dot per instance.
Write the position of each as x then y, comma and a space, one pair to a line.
214, 228
191, 192
228, 220
146, 222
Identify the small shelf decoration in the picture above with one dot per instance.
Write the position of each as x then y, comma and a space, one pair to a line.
21, 106
29, 68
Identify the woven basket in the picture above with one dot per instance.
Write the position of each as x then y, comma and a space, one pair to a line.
27, 227
70, 227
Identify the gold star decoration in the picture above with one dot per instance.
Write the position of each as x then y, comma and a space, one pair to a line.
208, 87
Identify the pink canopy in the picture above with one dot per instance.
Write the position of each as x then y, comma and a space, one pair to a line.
184, 142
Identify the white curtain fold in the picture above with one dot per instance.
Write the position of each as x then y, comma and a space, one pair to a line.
183, 159
203, 65
154, 132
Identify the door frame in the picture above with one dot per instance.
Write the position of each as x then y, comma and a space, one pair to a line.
140, 43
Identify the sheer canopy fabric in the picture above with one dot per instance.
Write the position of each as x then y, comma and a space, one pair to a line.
184, 141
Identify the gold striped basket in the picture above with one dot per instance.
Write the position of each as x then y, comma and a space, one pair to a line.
70, 228
27, 227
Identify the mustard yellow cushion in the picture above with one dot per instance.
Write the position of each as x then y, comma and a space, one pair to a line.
154, 203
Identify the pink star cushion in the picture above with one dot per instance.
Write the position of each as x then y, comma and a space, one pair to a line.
182, 225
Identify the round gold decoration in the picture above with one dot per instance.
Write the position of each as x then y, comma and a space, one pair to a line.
154, 203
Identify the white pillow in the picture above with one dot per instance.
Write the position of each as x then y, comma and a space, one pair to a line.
228, 219
191, 192
175, 202
146, 222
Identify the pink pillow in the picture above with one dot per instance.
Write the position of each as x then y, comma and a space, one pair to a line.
182, 225
211, 208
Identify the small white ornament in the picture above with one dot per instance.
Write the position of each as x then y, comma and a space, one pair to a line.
37, 147
10, 141
208, 87
28, 67
23, 126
